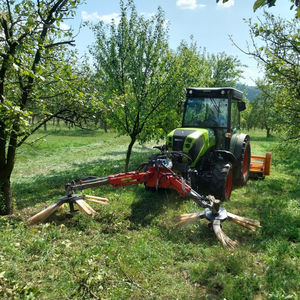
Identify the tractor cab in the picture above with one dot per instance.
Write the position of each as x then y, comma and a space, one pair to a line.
211, 117
209, 136
217, 109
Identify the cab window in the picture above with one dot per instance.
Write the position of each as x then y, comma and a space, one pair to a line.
206, 113
235, 122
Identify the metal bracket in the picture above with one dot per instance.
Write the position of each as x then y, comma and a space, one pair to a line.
221, 215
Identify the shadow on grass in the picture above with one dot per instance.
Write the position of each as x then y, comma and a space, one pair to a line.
278, 209
42, 188
198, 233
150, 205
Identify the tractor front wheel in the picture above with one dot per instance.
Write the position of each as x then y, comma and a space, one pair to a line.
221, 182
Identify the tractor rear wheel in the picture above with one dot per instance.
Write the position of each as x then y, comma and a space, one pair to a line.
221, 182
243, 166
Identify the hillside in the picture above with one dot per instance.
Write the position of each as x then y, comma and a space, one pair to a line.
250, 91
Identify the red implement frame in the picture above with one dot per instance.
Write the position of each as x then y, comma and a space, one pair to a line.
154, 177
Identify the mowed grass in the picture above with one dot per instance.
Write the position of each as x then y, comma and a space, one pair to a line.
131, 249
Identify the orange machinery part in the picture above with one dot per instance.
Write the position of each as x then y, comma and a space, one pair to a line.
260, 164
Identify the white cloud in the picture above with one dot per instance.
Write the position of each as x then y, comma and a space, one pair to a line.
225, 5
189, 4
95, 17
64, 26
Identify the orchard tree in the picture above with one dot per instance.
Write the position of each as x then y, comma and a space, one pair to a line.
226, 70
190, 67
35, 76
275, 45
246, 122
263, 113
193, 67
134, 72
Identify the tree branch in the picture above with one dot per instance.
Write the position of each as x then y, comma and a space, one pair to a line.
44, 121
60, 43
9, 13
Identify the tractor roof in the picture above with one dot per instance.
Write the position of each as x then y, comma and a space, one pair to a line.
219, 92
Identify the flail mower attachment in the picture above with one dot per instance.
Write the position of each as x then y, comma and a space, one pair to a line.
157, 174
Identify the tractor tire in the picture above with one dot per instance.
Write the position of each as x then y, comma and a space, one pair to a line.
243, 165
221, 182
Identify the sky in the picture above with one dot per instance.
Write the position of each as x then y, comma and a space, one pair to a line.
209, 23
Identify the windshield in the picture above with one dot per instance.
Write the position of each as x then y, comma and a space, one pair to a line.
206, 113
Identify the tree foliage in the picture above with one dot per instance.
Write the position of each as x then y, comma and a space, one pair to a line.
134, 72
275, 45
263, 113
226, 70
35, 75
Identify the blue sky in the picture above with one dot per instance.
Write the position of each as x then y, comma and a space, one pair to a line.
208, 22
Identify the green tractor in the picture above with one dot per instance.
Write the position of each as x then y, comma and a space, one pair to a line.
206, 150
217, 154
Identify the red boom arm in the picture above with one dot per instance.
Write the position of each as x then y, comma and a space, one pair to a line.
155, 177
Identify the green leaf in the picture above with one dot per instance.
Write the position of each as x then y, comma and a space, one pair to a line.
259, 3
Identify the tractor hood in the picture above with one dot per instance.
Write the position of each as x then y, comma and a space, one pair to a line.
193, 141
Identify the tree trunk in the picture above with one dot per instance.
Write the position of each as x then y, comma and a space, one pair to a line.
6, 168
105, 126
6, 203
268, 132
129, 149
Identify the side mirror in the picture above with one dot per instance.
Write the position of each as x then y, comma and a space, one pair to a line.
241, 105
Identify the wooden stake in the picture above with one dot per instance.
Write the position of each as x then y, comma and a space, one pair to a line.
222, 237
44, 214
186, 219
245, 222
95, 199
85, 207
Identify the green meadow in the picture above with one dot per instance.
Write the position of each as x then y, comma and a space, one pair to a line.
131, 248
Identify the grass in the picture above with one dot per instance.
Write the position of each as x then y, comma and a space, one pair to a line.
130, 249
